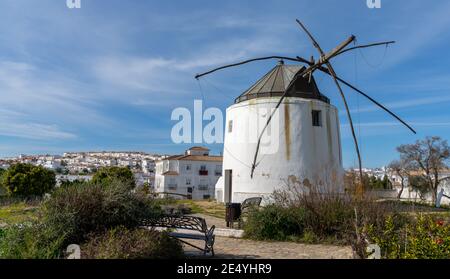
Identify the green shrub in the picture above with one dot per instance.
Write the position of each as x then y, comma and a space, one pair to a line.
274, 222
30, 241
2, 188
309, 237
74, 213
26, 180
86, 208
108, 175
419, 184
2, 233
315, 218
330, 216
425, 238
123, 243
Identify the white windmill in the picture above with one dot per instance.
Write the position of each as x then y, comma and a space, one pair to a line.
297, 129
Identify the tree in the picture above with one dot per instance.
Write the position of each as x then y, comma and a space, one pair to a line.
67, 183
430, 156
386, 183
26, 180
2, 171
420, 185
352, 179
400, 168
2, 190
107, 175
145, 189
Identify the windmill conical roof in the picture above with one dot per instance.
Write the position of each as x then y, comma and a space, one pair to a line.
278, 80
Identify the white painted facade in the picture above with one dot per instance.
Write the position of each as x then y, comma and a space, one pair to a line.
71, 178
409, 194
148, 166
50, 164
304, 151
301, 146
142, 178
192, 176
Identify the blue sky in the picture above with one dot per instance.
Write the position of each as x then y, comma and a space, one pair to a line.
107, 76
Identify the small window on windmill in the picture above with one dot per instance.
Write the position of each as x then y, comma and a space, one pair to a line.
317, 118
230, 126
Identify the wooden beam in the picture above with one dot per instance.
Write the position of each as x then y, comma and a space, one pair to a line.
360, 186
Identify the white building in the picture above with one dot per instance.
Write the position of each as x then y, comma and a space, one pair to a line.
148, 166
302, 145
144, 178
409, 194
52, 165
192, 175
71, 178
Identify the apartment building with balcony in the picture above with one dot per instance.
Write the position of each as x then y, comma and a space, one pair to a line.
191, 176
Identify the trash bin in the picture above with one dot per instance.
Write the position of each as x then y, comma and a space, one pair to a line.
232, 213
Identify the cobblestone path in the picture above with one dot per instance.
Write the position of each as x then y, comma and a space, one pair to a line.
236, 248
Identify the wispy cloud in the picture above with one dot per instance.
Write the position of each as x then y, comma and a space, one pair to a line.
34, 131
171, 78
377, 129
403, 104
108, 75
13, 125
414, 34
36, 100
392, 124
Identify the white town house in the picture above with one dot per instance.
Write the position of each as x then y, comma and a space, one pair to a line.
192, 175
303, 143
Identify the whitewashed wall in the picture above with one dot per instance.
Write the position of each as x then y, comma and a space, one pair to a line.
304, 151
410, 195
189, 178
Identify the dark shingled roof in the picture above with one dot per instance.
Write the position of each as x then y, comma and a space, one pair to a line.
277, 81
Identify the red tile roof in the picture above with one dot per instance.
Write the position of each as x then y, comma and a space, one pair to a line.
169, 173
199, 148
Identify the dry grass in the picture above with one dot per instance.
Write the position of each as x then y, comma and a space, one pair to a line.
210, 208
418, 209
18, 213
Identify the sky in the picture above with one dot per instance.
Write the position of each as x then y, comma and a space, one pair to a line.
107, 76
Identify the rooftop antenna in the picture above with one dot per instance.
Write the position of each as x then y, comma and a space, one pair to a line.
324, 65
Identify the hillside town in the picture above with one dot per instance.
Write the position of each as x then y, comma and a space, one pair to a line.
192, 175
81, 166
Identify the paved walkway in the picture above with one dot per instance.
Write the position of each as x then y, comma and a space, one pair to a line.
210, 221
236, 248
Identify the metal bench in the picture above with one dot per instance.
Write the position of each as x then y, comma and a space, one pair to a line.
250, 203
190, 223
246, 206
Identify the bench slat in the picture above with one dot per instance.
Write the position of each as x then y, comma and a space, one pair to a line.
190, 223
188, 236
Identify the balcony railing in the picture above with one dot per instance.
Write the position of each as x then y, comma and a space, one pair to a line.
172, 187
203, 172
203, 187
